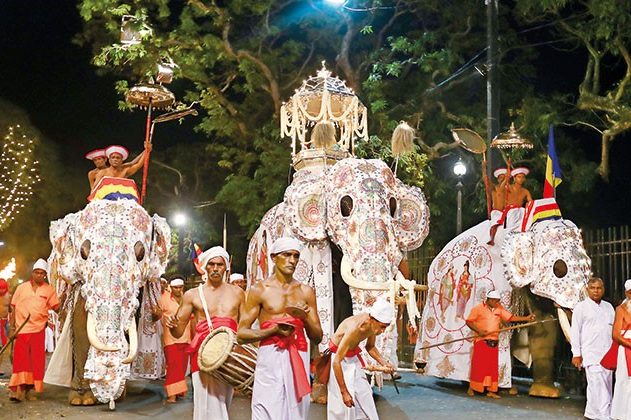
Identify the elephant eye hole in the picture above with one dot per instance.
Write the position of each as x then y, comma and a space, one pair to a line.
393, 206
139, 250
346, 205
85, 249
559, 268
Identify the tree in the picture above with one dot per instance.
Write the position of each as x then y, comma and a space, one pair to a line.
602, 29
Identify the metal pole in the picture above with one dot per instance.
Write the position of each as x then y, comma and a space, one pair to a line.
180, 249
492, 87
459, 209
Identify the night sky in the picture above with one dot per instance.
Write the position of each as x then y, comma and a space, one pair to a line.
51, 78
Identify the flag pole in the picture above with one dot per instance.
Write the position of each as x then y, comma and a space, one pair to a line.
225, 233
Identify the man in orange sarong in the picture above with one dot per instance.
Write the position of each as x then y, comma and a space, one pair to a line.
485, 320
34, 297
174, 348
216, 303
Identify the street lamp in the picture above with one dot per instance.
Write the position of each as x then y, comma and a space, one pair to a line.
460, 169
335, 2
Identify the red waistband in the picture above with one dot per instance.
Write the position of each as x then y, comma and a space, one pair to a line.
293, 344
202, 330
357, 351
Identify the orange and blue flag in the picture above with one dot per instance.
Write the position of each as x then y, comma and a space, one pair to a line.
195, 253
553, 169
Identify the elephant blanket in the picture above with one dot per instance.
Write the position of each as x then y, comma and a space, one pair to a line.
458, 279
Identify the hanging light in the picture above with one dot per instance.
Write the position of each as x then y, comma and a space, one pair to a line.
460, 169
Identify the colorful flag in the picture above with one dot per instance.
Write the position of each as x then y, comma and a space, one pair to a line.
195, 253
553, 170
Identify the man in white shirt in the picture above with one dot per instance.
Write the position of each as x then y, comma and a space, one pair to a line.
592, 322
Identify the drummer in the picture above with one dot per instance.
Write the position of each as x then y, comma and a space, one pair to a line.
285, 309
174, 348
225, 302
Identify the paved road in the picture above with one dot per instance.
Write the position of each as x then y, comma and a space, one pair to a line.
421, 398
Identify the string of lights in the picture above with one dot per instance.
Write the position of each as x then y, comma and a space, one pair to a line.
18, 174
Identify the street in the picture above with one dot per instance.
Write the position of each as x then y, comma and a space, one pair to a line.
421, 397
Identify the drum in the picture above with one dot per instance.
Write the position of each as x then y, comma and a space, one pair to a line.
222, 357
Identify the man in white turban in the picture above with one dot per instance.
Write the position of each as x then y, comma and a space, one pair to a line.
215, 304
30, 304
238, 280
285, 309
175, 349
116, 155
621, 403
592, 319
350, 394
484, 320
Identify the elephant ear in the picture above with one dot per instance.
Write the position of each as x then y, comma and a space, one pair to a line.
411, 219
159, 247
65, 248
518, 255
305, 206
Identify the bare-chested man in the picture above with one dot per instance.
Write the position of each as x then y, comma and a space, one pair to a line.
116, 155
281, 384
621, 403
221, 304
518, 195
99, 159
500, 190
350, 395
5, 300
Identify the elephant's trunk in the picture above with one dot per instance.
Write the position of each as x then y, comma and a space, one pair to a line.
133, 342
347, 275
564, 322
92, 337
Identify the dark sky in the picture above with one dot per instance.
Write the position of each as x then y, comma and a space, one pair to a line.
43, 72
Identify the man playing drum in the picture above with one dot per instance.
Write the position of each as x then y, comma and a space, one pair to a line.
285, 309
211, 397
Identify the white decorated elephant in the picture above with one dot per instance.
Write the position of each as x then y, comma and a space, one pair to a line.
101, 257
356, 221
537, 267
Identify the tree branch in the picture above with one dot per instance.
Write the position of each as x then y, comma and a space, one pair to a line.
627, 77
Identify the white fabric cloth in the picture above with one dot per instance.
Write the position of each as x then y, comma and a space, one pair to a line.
96, 153
285, 244
357, 386
382, 311
500, 171
209, 254
627, 285
177, 282
520, 170
211, 397
621, 404
236, 276
591, 330
273, 394
493, 294
41, 264
599, 382
49, 342
513, 221
117, 149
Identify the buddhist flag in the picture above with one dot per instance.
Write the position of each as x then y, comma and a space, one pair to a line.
195, 252
553, 170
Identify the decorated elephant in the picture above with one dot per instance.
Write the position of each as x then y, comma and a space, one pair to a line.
356, 221
101, 257
539, 267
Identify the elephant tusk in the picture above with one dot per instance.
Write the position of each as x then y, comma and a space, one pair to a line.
133, 342
349, 278
564, 322
93, 339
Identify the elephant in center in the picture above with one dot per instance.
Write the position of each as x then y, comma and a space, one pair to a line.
101, 257
356, 221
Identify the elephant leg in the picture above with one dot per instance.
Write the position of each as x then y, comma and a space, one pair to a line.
80, 393
542, 341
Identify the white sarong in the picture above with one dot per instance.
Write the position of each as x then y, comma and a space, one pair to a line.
621, 404
211, 397
357, 386
273, 394
599, 382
